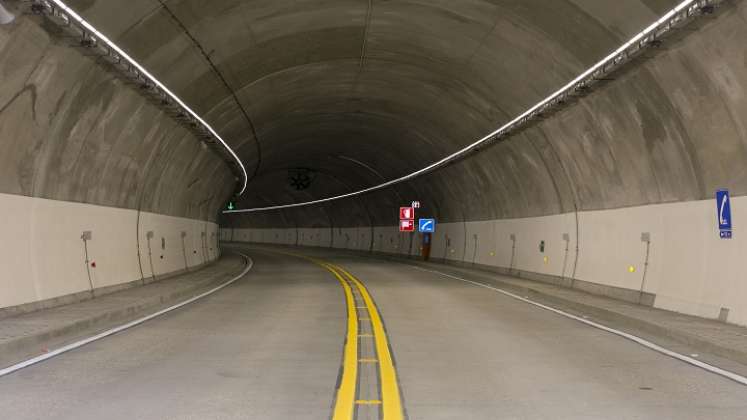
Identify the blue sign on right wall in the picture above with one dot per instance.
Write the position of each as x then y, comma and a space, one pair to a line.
723, 208
427, 225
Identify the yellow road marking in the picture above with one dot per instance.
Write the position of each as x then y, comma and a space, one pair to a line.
346, 391
368, 402
345, 401
368, 360
392, 404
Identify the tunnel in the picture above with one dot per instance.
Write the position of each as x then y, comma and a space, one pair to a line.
373, 209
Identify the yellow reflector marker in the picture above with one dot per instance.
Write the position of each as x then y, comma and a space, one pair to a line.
631, 269
546, 259
368, 402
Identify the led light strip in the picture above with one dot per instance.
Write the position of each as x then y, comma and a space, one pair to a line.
57, 8
648, 37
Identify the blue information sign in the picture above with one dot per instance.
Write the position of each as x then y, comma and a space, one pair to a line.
427, 225
723, 208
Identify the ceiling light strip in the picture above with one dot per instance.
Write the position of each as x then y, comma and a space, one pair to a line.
64, 16
647, 38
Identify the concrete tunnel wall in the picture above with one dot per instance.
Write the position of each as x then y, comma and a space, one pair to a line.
361, 93
80, 150
645, 153
690, 270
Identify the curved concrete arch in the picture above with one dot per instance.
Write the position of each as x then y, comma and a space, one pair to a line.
475, 23
452, 92
394, 85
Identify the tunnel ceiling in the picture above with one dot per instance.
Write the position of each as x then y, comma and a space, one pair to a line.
362, 90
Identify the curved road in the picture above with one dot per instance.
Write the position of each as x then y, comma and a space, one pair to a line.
271, 347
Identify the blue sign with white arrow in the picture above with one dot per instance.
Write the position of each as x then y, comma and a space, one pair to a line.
723, 207
427, 225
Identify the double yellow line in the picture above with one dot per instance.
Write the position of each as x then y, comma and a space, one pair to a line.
390, 397
345, 401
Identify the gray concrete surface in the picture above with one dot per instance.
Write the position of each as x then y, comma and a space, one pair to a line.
369, 90
270, 347
465, 353
714, 341
72, 131
695, 334
360, 92
27, 335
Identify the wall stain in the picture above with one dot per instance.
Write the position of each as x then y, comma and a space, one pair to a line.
31, 88
653, 130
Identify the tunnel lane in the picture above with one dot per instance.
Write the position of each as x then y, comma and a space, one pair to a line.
358, 344
468, 352
571, 156
249, 263
366, 345
368, 387
266, 347
269, 347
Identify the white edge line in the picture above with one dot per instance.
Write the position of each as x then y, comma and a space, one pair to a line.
72, 346
132, 61
467, 148
655, 347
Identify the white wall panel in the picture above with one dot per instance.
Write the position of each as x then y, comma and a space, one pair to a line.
691, 270
43, 255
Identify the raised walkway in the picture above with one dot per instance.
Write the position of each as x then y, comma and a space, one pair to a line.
31, 334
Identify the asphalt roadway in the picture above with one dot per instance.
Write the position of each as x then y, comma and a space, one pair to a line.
273, 345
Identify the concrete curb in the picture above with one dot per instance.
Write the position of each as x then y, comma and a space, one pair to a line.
86, 295
30, 345
681, 336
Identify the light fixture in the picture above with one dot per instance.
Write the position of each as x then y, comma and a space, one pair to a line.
6, 16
